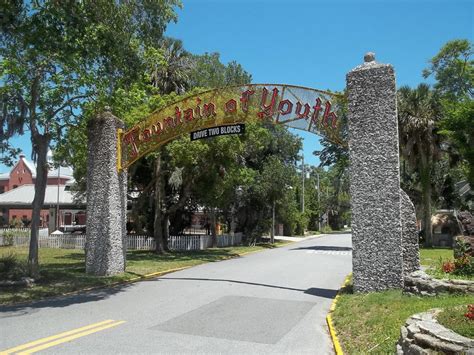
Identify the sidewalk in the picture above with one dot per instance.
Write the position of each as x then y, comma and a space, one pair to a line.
298, 239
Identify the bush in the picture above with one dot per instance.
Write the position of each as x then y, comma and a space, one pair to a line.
16, 223
463, 258
326, 229
470, 312
8, 239
11, 268
463, 263
448, 266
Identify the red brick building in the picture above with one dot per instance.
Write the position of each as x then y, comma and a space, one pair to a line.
17, 193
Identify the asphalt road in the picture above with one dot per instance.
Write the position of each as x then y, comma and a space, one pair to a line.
273, 301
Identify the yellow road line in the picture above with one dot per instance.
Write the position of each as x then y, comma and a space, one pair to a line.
69, 338
52, 338
332, 330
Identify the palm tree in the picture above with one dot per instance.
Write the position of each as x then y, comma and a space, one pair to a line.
418, 113
172, 74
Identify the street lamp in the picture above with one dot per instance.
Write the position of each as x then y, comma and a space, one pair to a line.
303, 176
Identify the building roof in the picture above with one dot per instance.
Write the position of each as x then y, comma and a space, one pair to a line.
23, 195
65, 172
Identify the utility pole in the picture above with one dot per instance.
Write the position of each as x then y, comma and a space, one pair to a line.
319, 204
327, 210
302, 197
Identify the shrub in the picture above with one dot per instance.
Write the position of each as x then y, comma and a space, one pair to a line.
326, 229
16, 223
11, 268
470, 312
463, 263
463, 258
8, 239
448, 266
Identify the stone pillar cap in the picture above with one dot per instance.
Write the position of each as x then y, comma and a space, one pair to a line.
369, 57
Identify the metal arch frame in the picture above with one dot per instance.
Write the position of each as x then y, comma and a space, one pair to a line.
121, 133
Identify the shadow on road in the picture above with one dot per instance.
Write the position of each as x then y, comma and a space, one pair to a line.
20, 309
324, 247
314, 291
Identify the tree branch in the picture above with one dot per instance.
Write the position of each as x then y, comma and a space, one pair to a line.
68, 103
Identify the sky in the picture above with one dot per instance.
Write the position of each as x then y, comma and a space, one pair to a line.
315, 43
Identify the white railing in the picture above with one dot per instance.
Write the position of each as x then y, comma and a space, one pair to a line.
134, 242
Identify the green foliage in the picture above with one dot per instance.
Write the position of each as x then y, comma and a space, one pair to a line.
11, 268
370, 322
418, 115
453, 69
60, 58
332, 152
463, 258
8, 238
326, 229
454, 318
334, 183
16, 223
440, 264
458, 127
209, 71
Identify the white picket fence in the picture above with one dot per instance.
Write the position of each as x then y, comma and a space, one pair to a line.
22, 231
134, 242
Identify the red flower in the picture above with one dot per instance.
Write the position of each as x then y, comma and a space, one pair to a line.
470, 312
448, 266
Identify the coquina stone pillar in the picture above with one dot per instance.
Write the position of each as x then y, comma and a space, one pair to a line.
375, 177
410, 244
106, 199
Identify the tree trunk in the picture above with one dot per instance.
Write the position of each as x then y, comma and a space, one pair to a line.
158, 227
425, 176
40, 147
166, 231
272, 231
213, 227
427, 215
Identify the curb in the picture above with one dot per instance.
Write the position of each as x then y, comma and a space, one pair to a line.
332, 330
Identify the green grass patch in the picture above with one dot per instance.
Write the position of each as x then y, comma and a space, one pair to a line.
453, 318
63, 270
372, 321
433, 258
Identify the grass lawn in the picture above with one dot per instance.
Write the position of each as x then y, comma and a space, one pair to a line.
433, 258
372, 321
63, 270
453, 318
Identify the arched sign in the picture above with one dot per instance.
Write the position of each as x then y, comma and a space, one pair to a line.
294, 106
